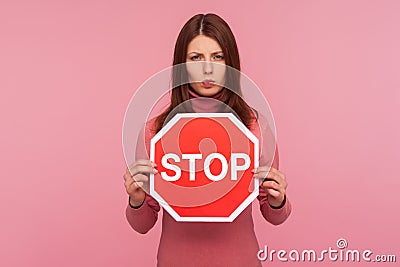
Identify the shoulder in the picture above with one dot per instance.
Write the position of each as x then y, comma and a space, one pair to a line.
150, 125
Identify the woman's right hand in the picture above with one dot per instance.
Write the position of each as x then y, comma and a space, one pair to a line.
136, 178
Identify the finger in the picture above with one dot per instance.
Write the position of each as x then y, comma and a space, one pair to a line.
141, 178
272, 185
264, 169
143, 169
127, 176
131, 169
268, 176
137, 178
143, 162
132, 185
261, 169
278, 172
278, 179
273, 193
129, 183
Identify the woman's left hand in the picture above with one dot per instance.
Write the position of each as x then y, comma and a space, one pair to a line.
275, 184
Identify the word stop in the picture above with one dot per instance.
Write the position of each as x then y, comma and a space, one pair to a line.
192, 166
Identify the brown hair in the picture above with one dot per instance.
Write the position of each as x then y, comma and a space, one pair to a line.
213, 26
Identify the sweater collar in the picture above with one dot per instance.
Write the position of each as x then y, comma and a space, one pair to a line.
203, 104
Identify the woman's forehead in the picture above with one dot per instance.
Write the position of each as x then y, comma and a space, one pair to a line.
204, 44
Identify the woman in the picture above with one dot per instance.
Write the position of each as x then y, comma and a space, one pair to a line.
206, 38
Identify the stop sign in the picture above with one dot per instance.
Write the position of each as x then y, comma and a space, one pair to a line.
204, 163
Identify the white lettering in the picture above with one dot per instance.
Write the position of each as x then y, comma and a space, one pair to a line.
192, 164
235, 168
176, 169
207, 162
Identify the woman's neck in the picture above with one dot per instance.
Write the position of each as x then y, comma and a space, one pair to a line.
194, 94
205, 104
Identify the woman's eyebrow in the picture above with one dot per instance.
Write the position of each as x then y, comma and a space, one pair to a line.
195, 52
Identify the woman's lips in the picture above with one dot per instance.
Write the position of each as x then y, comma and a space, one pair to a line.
207, 83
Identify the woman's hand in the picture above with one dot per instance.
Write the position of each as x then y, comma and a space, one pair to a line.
274, 185
136, 178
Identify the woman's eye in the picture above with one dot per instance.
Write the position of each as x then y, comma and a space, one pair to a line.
198, 57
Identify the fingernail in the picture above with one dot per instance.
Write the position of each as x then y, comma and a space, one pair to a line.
155, 171
154, 164
253, 170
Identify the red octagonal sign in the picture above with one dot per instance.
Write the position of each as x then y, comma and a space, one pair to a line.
204, 167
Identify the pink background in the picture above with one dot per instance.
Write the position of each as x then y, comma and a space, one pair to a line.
330, 70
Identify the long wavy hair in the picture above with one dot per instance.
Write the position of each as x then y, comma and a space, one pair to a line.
213, 26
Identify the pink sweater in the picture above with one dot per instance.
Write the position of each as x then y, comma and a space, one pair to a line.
207, 243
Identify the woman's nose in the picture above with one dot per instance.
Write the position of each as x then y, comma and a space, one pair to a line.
207, 67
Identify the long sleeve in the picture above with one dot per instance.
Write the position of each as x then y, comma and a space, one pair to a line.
275, 216
142, 219
269, 156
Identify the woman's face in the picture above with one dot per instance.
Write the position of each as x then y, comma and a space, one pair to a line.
206, 65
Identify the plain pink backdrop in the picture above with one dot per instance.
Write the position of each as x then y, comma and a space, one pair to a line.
330, 70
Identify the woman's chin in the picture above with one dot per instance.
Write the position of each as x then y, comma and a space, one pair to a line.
208, 91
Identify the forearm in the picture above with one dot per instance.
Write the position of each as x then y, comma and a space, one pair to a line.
274, 215
144, 217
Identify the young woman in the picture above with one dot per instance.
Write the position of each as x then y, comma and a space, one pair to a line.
206, 38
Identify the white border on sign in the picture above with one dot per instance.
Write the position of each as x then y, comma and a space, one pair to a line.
244, 204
